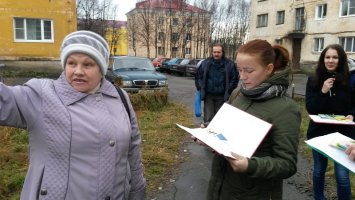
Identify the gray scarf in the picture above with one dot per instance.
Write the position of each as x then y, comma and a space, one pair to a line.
275, 86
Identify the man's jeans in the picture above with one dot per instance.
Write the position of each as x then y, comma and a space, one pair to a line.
341, 176
211, 104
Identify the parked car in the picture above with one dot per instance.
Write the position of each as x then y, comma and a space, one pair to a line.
191, 69
157, 62
166, 67
135, 74
181, 68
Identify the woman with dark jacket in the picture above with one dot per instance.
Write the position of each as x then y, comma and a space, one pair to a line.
264, 77
329, 92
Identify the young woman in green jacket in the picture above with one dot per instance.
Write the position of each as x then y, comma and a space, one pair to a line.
264, 76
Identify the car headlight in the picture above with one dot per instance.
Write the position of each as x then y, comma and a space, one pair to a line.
163, 82
127, 83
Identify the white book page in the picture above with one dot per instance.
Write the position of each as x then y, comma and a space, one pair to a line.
322, 143
241, 132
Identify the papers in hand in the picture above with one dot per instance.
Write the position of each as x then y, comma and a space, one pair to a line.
333, 146
331, 119
232, 130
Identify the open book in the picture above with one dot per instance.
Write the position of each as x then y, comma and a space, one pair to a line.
232, 130
331, 119
333, 146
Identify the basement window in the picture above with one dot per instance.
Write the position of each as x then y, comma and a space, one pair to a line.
33, 30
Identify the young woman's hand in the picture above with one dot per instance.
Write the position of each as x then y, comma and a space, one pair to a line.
238, 163
350, 151
327, 85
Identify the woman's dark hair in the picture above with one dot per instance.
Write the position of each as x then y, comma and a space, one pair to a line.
267, 54
342, 71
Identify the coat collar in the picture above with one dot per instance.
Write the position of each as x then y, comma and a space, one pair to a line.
69, 95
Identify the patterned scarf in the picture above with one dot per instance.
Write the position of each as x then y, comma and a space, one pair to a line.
275, 86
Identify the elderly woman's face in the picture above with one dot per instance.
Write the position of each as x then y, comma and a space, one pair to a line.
251, 72
82, 72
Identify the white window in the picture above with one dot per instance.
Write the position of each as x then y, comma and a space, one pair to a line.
321, 11
33, 30
262, 20
347, 7
161, 50
348, 43
188, 51
175, 21
318, 45
280, 17
188, 36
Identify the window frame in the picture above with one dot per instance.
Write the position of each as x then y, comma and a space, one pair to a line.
25, 31
318, 44
188, 36
262, 20
345, 7
344, 42
187, 51
175, 21
280, 17
161, 35
174, 37
321, 11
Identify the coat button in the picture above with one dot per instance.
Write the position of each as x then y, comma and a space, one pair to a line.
98, 98
107, 198
111, 143
43, 191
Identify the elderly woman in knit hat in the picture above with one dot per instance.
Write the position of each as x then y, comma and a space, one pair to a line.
84, 143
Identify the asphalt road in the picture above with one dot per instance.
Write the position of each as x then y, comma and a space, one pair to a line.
190, 179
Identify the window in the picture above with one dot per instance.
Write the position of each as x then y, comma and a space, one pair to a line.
318, 45
188, 22
262, 20
161, 51
161, 21
187, 50
280, 17
175, 21
33, 29
161, 35
347, 7
300, 22
175, 37
348, 43
188, 36
321, 11
174, 51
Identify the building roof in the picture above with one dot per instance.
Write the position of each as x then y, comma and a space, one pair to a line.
176, 5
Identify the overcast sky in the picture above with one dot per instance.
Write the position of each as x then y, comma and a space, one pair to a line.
124, 6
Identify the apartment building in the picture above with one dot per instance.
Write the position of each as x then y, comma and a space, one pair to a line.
168, 28
304, 27
35, 30
116, 37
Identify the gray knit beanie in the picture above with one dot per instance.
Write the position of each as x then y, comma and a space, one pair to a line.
89, 43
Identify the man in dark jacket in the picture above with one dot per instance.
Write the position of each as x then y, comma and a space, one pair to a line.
216, 78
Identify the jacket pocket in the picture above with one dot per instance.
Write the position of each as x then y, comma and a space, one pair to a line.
40, 182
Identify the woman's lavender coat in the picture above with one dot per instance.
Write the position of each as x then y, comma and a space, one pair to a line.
43, 107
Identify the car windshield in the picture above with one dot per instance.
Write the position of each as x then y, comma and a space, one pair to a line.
185, 61
133, 64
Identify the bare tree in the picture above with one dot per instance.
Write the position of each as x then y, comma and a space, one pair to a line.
133, 34
93, 15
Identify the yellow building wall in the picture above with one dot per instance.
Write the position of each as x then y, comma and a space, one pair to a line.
120, 36
64, 20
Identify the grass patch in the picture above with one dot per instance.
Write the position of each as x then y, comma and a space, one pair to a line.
161, 144
330, 178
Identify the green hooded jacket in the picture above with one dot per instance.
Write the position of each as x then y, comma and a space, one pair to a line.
274, 160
